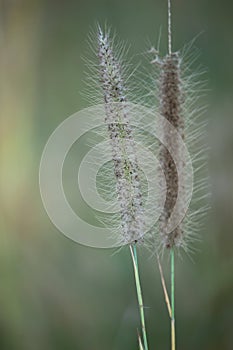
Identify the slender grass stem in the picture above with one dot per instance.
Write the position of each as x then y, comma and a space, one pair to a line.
173, 332
167, 300
133, 251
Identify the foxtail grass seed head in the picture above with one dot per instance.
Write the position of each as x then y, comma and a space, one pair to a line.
171, 100
178, 92
120, 133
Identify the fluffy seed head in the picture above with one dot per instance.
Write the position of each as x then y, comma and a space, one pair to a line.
171, 107
180, 89
120, 133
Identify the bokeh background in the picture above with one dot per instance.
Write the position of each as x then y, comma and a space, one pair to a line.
56, 294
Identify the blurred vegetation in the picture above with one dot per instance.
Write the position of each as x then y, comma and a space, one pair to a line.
55, 294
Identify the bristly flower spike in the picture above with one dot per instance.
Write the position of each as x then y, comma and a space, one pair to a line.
120, 133
171, 107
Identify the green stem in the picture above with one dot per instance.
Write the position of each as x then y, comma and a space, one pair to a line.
133, 251
173, 333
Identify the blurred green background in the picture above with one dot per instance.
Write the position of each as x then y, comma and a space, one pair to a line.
55, 294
